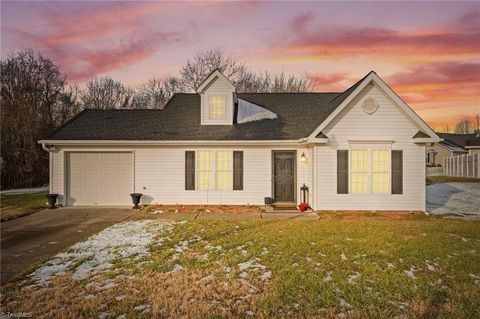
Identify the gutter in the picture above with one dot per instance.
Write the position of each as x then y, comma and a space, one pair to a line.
183, 142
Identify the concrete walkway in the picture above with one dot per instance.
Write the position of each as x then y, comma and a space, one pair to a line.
253, 215
33, 238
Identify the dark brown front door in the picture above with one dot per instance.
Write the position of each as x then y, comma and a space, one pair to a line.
284, 164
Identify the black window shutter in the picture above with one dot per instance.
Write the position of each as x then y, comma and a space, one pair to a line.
342, 172
397, 172
238, 170
190, 170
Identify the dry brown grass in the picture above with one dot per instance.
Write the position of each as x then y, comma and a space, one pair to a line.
184, 293
451, 179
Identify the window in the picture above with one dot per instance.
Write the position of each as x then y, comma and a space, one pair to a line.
216, 107
204, 170
214, 170
359, 169
369, 171
380, 165
223, 170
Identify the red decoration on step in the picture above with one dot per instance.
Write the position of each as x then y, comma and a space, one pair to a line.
303, 207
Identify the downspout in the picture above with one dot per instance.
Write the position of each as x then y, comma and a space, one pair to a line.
50, 149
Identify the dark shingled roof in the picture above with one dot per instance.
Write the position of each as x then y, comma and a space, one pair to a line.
460, 140
299, 114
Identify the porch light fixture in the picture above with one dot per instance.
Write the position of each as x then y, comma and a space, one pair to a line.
303, 157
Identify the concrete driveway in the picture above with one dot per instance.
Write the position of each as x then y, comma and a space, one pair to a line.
30, 239
454, 199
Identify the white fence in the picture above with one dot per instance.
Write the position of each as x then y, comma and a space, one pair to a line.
462, 165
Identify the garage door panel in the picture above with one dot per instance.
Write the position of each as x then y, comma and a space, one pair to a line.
100, 178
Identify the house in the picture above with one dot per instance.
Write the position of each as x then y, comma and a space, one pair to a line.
361, 149
451, 145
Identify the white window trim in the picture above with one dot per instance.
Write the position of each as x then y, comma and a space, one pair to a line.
213, 186
369, 179
209, 117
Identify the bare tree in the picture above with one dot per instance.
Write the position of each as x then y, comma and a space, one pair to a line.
464, 126
195, 71
276, 83
106, 93
155, 93
32, 87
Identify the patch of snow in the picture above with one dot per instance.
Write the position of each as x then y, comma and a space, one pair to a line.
103, 315
228, 269
352, 278
458, 199
122, 317
243, 275
296, 306
251, 264
266, 275
344, 303
343, 257
322, 255
410, 273
97, 253
294, 265
390, 265
430, 267
141, 307
249, 313
249, 112
176, 268
120, 297
328, 276
89, 297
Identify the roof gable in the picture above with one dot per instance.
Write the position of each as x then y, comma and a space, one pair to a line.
216, 74
345, 98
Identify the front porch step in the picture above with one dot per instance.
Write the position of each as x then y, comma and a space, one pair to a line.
284, 207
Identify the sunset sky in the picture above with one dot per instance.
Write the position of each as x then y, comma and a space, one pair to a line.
428, 52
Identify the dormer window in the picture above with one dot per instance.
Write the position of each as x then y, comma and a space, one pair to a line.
216, 106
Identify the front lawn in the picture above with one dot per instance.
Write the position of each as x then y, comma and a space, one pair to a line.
13, 206
342, 265
451, 179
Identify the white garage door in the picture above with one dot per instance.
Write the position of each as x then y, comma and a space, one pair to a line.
96, 178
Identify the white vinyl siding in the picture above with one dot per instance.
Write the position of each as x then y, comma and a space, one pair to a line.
216, 107
204, 169
388, 123
215, 92
159, 174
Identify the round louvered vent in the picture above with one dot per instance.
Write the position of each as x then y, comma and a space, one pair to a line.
369, 106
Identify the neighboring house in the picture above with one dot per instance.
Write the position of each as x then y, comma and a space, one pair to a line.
452, 144
363, 149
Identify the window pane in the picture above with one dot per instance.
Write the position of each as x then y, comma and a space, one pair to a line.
380, 170
204, 170
216, 107
359, 171
224, 170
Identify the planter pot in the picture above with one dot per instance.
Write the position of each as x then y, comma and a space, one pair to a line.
52, 200
136, 200
268, 201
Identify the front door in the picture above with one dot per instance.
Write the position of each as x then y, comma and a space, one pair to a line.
284, 168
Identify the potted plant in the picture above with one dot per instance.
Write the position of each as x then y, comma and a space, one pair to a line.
136, 200
52, 200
